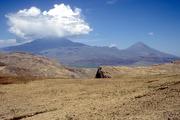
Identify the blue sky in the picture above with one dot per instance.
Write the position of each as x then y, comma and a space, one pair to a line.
119, 23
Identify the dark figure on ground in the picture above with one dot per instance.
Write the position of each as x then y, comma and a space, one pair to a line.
100, 74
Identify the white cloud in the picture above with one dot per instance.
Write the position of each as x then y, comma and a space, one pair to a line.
8, 42
60, 21
111, 2
151, 33
33, 11
112, 45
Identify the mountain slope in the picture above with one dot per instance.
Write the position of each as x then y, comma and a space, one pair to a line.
145, 55
140, 49
24, 66
78, 54
45, 44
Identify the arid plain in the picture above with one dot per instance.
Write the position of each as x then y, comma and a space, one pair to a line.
149, 93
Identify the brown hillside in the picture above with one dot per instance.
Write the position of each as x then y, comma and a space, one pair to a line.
155, 70
25, 66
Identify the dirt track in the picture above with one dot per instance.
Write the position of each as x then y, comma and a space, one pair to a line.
144, 98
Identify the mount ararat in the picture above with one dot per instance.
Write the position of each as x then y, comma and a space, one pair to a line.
81, 55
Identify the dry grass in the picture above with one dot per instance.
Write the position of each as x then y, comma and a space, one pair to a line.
146, 72
143, 93
136, 98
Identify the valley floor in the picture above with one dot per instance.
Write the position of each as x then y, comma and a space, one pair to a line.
138, 98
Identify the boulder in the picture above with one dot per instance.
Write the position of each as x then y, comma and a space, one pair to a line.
102, 74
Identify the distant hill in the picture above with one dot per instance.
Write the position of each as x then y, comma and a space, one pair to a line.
172, 68
20, 66
81, 55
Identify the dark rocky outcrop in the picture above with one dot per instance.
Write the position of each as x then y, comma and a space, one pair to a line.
2, 64
176, 62
101, 74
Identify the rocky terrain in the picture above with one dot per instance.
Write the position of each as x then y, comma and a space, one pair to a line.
138, 93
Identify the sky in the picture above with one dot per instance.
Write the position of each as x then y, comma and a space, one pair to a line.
118, 23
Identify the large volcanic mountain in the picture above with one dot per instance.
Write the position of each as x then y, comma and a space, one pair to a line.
78, 54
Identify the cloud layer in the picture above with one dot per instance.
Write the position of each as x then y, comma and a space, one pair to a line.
9, 42
60, 21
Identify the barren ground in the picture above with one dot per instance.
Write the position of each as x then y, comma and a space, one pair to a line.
128, 98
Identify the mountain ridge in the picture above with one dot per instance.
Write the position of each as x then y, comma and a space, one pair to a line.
42, 44
78, 54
